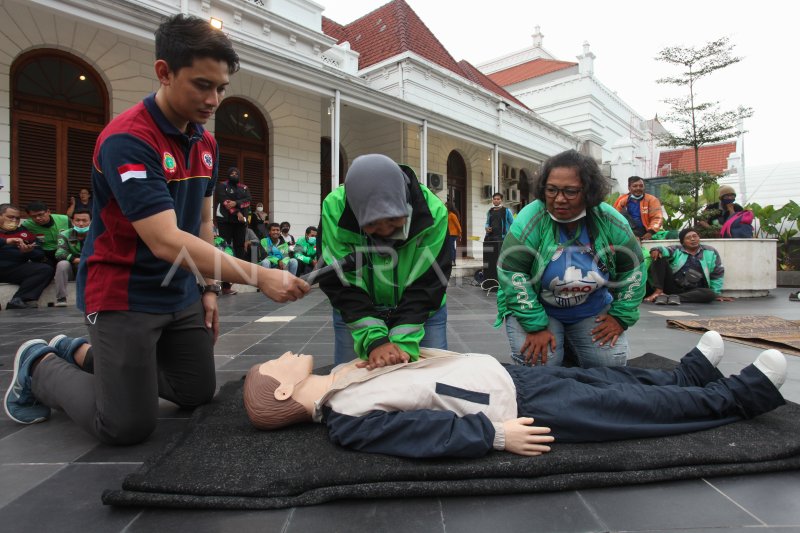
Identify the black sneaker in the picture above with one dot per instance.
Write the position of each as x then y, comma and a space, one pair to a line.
61, 302
16, 303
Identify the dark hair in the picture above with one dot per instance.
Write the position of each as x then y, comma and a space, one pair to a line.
81, 211
87, 189
451, 206
6, 207
274, 225
686, 231
497, 194
634, 179
284, 223
181, 39
36, 205
310, 229
595, 185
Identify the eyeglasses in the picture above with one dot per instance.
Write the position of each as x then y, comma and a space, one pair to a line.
570, 193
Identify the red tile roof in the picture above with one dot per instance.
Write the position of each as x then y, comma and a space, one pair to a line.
388, 31
528, 70
395, 28
476, 76
713, 158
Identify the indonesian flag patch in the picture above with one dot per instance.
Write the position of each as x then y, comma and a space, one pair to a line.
127, 172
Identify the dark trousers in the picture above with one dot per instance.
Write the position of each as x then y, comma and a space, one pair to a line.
234, 233
137, 358
452, 243
491, 253
613, 403
659, 276
32, 279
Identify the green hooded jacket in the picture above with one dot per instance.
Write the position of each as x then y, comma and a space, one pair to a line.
530, 245
710, 261
411, 285
60, 223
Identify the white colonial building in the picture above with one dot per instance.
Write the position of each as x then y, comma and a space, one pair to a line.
310, 92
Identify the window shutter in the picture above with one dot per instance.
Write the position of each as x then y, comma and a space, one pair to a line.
37, 163
80, 149
253, 175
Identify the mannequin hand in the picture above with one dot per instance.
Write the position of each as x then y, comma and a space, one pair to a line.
384, 355
608, 330
535, 347
524, 439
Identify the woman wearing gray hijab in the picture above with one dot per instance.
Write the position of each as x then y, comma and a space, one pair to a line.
394, 301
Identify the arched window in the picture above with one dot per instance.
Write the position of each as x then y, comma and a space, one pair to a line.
243, 138
59, 105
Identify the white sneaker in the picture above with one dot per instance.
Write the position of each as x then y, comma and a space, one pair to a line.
712, 346
772, 364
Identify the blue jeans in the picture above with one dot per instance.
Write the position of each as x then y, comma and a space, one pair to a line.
452, 243
578, 336
344, 347
291, 266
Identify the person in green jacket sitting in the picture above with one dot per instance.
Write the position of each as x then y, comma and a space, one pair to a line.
68, 254
571, 270
305, 251
277, 251
46, 226
688, 272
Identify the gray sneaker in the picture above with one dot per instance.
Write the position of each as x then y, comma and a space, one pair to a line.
20, 404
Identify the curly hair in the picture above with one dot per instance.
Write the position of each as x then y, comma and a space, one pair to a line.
595, 185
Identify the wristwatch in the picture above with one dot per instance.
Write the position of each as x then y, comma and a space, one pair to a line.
216, 288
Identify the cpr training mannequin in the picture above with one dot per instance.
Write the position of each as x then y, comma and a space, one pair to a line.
449, 404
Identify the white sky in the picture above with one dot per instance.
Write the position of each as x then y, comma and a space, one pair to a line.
626, 36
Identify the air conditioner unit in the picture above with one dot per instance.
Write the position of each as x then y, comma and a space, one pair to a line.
487, 192
512, 195
435, 182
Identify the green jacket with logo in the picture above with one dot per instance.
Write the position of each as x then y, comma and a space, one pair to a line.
412, 284
710, 261
304, 251
69, 245
530, 245
60, 223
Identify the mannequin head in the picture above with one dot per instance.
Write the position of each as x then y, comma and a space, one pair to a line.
268, 391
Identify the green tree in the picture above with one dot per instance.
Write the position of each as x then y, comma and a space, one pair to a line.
698, 123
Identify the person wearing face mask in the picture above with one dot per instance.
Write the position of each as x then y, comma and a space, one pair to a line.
258, 221
394, 301
571, 270
68, 253
232, 207
287, 237
21, 259
305, 251
688, 272
717, 213
642, 210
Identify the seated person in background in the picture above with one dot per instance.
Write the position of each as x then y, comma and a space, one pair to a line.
287, 237
718, 213
21, 260
642, 210
252, 247
277, 251
259, 220
83, 203
305, 251
46, 226
692, 270
68, 254
453, 405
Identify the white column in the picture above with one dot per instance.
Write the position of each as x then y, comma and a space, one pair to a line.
423, 153
495, 169
336, 102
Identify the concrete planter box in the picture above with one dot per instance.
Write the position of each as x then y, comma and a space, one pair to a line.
750, 264
788, 278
